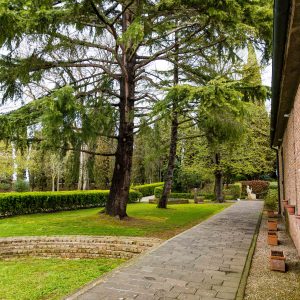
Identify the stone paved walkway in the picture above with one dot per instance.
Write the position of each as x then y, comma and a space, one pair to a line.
203, 263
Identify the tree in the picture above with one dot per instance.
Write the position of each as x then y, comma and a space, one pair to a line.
114, 41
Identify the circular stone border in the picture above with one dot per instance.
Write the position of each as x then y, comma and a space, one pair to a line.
75, 246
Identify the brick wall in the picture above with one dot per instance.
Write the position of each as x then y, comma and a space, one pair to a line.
289, 166
75, 246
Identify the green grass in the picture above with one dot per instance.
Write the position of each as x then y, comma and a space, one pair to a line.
145, 220
33, 278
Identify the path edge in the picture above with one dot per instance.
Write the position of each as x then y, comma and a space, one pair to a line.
243, 282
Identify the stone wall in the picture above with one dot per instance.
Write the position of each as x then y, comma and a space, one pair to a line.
75, 246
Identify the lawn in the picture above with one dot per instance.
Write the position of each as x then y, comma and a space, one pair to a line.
145, 220
34, 278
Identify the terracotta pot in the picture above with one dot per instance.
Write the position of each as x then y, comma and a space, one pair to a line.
290, 209
271, 213
277, 261
272, 225
272, 238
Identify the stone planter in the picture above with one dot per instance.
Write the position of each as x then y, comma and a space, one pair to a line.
272, 238
272, 225
290, 209
277, 261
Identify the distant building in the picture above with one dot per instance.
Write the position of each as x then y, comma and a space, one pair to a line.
285, 112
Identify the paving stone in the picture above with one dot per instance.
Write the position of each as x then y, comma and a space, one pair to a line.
188, 297
206, 293
226, 295
203, 263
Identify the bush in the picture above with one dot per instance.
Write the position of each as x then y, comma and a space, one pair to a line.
38, 202
147, 189
158, 192
271, 200
21, 186
273, 185
233, 191
208, 196
259, 187
5, 186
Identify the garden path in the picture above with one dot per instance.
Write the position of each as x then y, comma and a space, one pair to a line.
203, 263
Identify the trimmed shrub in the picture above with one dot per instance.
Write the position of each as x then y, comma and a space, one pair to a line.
181, 196
158, 192
38, 202
273, 185
208, 196
259, 187
233, 191
5, 186
21, 186
271, 200
147, 189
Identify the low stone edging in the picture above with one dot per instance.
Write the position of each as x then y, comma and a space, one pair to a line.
76, 246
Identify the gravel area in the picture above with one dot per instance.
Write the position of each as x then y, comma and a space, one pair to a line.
264, 284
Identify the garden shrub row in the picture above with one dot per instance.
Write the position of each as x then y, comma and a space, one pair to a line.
147, 189
158, 192
37, 202
233, 191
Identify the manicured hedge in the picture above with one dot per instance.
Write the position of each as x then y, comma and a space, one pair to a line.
37, 202
233, 191
158, 193
147, 189
259, 187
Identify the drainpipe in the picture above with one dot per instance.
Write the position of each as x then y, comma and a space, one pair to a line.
278, 181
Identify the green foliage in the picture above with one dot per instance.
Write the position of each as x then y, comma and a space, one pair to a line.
259, 187
147, 189
5, 186
150, 153
181, 195
21, 186
158, 192
271, 199
233, 191
273, 185
38, 202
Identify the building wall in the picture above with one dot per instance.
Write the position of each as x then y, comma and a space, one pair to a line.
289, 168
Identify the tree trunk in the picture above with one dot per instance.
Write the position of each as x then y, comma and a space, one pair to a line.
84, 179
173, 142
119, 191
53, 183
171, 162
218, 179
57, 181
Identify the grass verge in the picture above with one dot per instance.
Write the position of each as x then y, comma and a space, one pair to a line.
145, 220
38, 278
